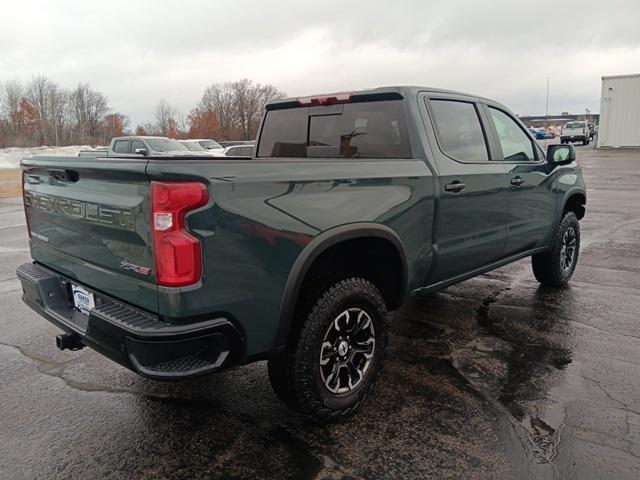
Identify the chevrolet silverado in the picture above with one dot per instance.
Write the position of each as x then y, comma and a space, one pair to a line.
180, 266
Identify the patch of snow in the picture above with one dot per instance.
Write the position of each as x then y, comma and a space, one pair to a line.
10, 157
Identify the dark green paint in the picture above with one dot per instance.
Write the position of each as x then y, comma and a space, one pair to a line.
262, 213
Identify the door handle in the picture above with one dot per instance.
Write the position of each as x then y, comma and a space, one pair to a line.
454, 186
517, 181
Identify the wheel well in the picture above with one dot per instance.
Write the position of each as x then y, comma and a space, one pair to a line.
575, 204
372, 258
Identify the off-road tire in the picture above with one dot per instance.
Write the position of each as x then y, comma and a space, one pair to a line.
547, 266
295, 374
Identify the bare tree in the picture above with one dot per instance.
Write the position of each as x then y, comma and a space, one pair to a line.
151, 128
45, 113
10, 120
217, 98
249, 100
166, 123
113, 125
237, 106
38, 94
87, 108
11, 94
56, 111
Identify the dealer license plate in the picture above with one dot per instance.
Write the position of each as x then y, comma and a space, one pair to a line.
82, 299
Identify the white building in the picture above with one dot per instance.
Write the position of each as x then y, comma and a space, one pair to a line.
620, 111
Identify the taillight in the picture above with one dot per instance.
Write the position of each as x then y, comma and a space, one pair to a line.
24, 204
326, 99
178, 254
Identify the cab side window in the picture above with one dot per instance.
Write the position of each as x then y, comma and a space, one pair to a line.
516, 145
459, 130
121, 146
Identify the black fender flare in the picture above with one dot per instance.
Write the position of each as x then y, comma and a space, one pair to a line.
565, 199
312, 250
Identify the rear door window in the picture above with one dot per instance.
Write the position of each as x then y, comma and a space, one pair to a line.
353, 130
245, 151
459, 130
240, 151
516, 145
121, 146
135, 144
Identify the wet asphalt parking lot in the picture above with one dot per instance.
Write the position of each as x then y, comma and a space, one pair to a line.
493, 378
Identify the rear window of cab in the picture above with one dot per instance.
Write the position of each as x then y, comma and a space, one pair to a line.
352, 130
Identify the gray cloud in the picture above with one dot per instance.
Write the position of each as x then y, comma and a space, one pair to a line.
138, 52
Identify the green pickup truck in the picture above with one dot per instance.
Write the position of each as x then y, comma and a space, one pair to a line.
178, 267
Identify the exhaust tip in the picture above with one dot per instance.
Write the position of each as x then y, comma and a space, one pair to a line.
69, 341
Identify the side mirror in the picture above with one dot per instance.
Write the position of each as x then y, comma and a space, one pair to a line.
561, 153
141, 151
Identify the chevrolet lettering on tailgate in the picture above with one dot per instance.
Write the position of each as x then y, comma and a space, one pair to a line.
92, 212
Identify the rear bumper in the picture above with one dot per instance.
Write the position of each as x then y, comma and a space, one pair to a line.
134, 338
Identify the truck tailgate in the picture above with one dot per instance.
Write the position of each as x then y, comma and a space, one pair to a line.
89, 219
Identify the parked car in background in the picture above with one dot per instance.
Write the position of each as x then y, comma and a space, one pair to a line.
140, 145
555, 131
230, 143
550, 134
538, 134
197, 146
244, 150
208, 144
575, 132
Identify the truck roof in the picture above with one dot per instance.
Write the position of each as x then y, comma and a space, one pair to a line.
129, 137
389, 92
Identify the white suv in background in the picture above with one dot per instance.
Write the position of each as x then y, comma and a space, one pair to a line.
575, 132
203, 144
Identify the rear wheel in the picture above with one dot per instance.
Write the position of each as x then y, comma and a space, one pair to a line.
555, 267
336, 355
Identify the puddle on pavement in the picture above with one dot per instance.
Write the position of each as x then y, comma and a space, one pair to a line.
509, 348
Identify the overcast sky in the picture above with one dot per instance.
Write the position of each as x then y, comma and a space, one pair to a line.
137, 51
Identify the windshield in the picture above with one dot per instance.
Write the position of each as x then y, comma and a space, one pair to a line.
574, 125
209, 144
165, 145
194, 146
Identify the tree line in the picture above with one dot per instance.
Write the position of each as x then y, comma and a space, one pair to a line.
41, 112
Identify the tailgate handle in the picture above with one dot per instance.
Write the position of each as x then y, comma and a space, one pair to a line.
63, 175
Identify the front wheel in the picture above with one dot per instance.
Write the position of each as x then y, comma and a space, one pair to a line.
555, 267
336, 354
